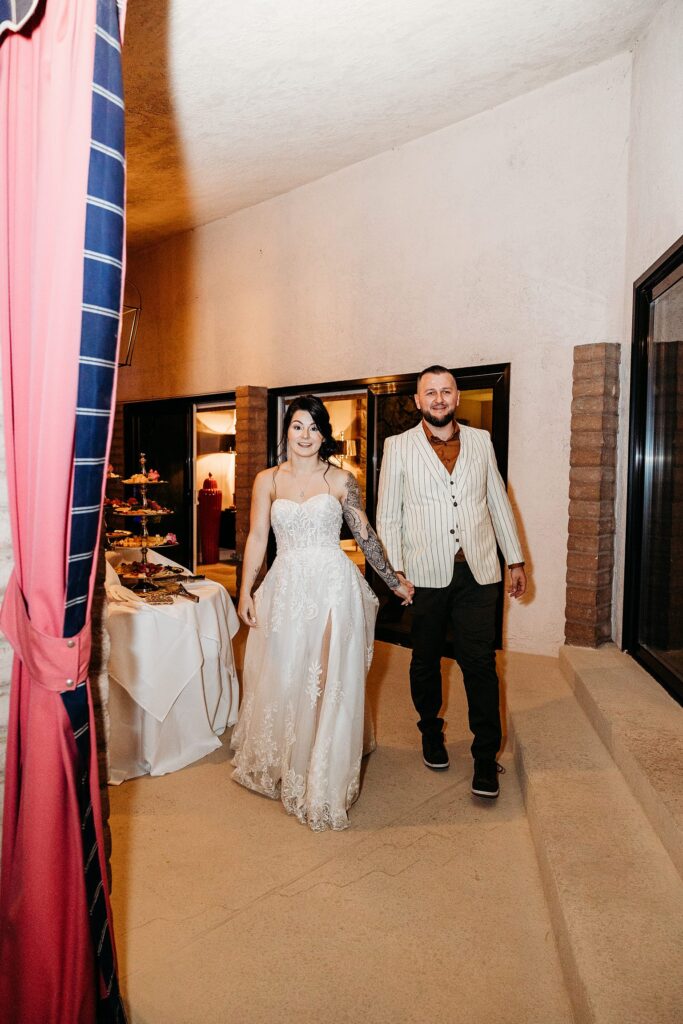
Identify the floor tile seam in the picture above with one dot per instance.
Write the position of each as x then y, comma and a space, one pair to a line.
273, 890
278, 893
276, 890
353, 881
381, 844
387, 844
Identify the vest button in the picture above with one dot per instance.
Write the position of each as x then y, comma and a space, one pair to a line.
452, 531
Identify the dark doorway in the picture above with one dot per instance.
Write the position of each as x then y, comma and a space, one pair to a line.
164, 430
653, 597
390, 409
484, 403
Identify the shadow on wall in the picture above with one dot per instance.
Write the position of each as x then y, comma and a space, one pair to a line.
151, 142
155, 153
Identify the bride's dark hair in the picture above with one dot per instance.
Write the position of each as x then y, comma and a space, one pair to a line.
321, 418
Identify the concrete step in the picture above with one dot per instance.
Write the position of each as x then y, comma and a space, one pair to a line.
641, 726
614, 895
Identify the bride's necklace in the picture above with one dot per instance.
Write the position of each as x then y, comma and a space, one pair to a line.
309, 476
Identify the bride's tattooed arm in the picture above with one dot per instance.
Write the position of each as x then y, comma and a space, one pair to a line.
364, 535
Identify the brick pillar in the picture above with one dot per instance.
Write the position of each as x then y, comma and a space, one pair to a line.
592, 483
251, 447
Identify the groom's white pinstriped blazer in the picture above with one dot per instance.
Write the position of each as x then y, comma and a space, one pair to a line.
420, 526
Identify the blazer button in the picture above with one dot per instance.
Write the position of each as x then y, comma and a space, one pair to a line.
452, 531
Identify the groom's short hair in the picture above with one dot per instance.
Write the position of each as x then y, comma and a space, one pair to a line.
433, 369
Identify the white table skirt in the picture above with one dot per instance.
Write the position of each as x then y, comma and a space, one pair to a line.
173, 686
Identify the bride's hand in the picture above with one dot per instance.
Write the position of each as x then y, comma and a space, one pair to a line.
405, 591
246, 610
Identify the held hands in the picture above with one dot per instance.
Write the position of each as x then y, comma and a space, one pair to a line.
517, 581
405, 590
246, 610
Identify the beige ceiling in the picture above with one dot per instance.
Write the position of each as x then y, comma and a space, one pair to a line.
231, 102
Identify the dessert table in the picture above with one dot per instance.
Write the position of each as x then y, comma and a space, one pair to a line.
173, 687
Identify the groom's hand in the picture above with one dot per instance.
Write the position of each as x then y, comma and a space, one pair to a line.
517, 581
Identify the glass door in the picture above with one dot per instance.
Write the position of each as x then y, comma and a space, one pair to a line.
654, 599
215, 451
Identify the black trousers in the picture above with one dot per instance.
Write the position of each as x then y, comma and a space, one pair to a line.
470, 608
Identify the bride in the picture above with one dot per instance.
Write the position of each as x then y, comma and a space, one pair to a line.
300, 734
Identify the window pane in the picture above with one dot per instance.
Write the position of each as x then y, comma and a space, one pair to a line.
661, 596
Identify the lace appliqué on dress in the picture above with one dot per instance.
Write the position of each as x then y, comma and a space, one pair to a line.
305, 667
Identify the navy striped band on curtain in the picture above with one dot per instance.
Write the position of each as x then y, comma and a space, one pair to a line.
103, 268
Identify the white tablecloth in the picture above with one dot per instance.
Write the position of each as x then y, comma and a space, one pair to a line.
173, 686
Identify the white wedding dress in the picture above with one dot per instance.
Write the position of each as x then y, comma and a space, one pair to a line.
302, 727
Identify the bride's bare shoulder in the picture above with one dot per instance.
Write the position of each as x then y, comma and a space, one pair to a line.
263, 481
341, 481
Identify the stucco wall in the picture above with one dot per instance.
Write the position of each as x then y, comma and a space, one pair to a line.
498, 239
655, 201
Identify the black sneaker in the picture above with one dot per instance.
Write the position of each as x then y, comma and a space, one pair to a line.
485, 779
434, 753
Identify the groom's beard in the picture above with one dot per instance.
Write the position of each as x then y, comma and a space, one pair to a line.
438, 421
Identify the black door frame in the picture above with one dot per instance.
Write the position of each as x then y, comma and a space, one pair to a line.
644, 291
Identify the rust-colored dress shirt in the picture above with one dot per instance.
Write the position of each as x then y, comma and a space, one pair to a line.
447, 452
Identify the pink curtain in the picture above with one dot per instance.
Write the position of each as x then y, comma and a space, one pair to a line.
57, 959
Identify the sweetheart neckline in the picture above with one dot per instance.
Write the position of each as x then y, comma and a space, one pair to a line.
322, 494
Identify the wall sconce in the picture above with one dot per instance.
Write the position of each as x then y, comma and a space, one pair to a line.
348, 448
130, 317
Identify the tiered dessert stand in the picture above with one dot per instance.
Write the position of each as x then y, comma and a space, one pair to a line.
142, 514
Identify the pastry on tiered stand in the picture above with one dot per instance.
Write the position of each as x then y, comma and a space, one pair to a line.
143, 510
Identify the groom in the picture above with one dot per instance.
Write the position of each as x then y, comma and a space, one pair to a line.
441, 509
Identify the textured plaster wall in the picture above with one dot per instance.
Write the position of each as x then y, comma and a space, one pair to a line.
655, 201
498, 239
